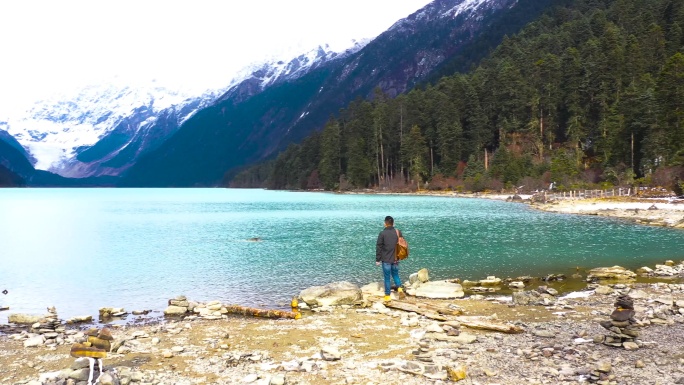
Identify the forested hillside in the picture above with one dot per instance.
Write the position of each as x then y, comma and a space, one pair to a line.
589, 94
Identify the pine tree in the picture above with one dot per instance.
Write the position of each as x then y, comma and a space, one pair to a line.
329, 167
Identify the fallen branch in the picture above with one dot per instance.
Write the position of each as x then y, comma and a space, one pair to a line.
265, 313
481, 324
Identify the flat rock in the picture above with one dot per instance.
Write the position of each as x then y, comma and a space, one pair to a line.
490, 281
543, 333
34, 342
630, 345
375, 288
332, 294
617, 273
464, 338
665, 300
24, 319
330, 353
604, 290
440, 290
175, 310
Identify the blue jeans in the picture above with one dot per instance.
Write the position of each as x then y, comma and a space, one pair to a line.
393, 270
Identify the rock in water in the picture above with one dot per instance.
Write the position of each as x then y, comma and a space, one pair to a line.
24, 319
616, 273
175, 310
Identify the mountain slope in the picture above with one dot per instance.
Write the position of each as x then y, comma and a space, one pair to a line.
233, 133
102, 130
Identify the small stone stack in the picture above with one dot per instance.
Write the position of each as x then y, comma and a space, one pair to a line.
178, 306
423, 352
621, 326
50, 328
602, 374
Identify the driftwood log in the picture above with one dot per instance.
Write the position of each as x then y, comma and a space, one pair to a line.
451, 317
264, 313
438, 313
484, 324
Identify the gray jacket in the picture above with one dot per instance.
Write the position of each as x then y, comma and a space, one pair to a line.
386, 245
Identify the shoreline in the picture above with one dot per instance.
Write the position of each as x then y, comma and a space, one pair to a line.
373, 343
661, 212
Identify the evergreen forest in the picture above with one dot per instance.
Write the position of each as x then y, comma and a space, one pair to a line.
590, 95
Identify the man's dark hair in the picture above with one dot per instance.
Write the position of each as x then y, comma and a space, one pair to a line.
389, 220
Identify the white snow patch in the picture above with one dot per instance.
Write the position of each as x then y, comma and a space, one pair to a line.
466, 5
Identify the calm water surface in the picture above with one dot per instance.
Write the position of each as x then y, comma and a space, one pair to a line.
82, 249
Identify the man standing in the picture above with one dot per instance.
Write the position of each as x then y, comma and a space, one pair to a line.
385, 254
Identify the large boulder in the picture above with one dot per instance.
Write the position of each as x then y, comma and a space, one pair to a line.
332, 294
375, 288
422, 276
175, 310
615, 273
440, 290
24, 319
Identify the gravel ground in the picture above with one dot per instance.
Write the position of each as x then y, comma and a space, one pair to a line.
375, 345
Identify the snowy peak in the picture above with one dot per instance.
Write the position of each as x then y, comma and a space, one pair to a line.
259, 76
56, 129
449, 9
272, 73
60, 132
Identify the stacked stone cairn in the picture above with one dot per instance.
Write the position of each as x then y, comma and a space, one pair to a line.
49, 327
621, 326
93, 350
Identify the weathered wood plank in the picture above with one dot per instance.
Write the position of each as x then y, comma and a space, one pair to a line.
484, 324
410, 307
265, 313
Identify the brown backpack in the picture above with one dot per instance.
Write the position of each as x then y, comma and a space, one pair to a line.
401, 251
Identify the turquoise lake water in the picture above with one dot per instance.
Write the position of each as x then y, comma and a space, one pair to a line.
82, 249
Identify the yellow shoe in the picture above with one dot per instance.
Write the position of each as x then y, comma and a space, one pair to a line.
388, 298
400, 290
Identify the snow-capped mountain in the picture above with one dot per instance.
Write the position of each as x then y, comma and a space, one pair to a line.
103, 129
257, 77
412, 51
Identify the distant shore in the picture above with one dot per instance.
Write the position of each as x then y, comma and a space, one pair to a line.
660, 212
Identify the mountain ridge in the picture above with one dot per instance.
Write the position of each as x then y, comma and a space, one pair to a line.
319, 94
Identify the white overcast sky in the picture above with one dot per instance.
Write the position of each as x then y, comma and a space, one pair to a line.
48, 46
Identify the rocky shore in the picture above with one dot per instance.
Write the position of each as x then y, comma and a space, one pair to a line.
617, 330
654, 212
